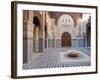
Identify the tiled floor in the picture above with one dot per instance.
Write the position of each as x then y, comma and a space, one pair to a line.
51, 59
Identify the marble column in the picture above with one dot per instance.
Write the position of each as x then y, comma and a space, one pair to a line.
36, 39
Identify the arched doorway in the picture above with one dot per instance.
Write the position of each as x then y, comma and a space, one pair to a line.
36, 33
88, 32
66, 40
65, 26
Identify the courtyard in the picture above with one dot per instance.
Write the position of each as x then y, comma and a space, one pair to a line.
52, 58
49, 37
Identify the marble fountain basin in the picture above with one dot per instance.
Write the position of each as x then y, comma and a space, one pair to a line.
74, 57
